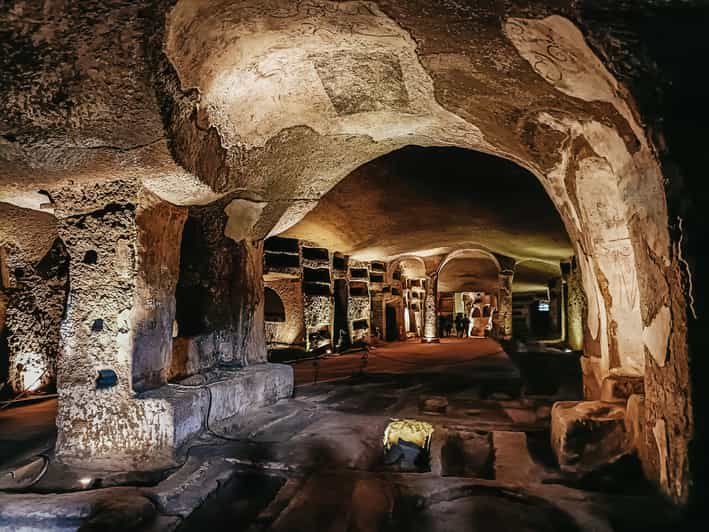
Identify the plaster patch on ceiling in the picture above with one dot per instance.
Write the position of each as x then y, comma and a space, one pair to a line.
242, 217
264, 73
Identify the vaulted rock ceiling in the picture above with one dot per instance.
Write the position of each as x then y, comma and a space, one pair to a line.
428, 201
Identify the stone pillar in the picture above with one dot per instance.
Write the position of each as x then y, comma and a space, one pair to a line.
123, 243
575, 307
250, 347
430, 317
504, 310
220, 295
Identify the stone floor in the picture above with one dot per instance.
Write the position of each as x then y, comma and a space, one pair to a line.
315, 462
27, 430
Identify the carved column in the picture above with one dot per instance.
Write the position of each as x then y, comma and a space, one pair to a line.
504, 308
219, 295
575, 305
430, 317
123, 244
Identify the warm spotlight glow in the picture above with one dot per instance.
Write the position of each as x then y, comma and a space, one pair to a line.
33, 369
85, 482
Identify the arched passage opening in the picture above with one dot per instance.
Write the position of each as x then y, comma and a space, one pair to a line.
624, 315
274, 311
539, 301
468, 292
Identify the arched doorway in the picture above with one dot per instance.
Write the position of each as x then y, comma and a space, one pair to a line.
471, 278
274, 311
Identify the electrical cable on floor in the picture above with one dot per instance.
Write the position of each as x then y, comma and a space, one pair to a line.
37, 478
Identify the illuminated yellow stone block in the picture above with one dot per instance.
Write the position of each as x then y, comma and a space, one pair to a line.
417, 432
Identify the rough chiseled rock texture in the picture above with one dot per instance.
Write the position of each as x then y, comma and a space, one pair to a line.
592, 377
278, 101
160, 230
503, 317
219, 295
119, 302
576, 308
318, 312
33, 290
221, 397
430, 316
587, 435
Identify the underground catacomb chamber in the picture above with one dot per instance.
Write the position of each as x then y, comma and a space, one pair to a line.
494, 209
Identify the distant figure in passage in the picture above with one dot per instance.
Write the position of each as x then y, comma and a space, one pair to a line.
466, 326
449, 325
459, 325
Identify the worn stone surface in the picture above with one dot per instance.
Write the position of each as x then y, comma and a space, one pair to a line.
318, 459
158, 258
576, 308
668, 409
238, 394
67, 511
592, 377
512, 460
635, 422
587, 435
225, 396
618, 388
430, 315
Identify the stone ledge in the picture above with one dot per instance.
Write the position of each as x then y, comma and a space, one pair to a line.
586, 435
618, 387
247, 389
225, 395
